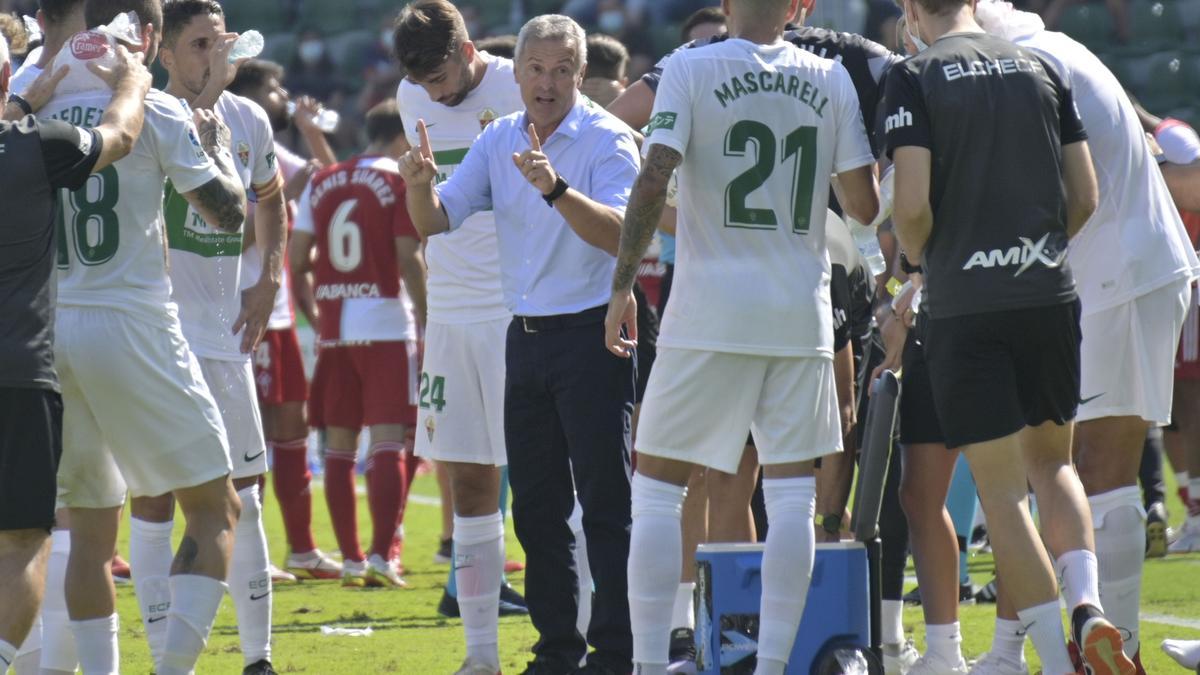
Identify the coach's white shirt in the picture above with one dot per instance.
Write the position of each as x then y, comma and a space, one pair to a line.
545, 268
1135, 242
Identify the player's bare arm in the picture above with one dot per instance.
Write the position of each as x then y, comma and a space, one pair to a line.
412, 272
859, 193
911, 212
307, 109
418, 170
634, 105
642, 216
270, 235
1083, 194
221, 202
1183, 180
39, 93
595, 223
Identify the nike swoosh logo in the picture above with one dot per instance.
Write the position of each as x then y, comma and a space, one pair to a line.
155, 619
251, 458
1085, 401
259, 597
1025, 629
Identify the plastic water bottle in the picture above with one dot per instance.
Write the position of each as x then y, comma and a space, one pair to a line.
247, 46
867, 240
327, 120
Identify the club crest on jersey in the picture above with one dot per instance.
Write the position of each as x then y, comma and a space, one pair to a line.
486, 117
243, 153
430, 427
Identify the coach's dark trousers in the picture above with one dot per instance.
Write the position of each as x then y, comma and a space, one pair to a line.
568, 407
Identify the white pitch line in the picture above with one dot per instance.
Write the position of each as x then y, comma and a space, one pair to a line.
1169, 620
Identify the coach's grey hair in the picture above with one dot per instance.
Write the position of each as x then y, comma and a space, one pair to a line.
555, 27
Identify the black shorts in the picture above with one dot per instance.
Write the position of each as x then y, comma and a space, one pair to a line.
918, 417
995, 373
30, 447
647, 345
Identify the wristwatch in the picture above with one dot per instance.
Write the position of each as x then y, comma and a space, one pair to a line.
21, 103
560, 188
831, 523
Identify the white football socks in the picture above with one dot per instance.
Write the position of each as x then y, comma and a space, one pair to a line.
1043, 624
96, 640
684, 613
194, 603
58, 642
1080, 575
584, 569
250, 579
943, 643
891, 613
478, 566
150, 557
1009, 641
786, 567
1120, 531
655, 556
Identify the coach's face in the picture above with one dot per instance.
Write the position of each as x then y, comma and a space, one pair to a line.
549, 75
188, 59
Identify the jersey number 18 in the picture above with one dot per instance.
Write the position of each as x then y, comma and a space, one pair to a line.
90, 210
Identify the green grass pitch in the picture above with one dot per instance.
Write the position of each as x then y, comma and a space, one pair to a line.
410, 637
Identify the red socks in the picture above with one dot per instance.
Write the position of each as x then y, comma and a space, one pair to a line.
386, 488
343, 504
292, 478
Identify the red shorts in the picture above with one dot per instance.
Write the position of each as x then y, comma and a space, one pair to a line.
1187, 359
279, 368
364, 385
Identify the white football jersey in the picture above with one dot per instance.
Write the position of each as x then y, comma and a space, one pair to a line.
111, 245
25, 75
281, 315
761, 129
1135, 242
206, 262
464, 265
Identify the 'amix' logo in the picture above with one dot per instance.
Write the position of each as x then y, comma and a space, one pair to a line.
898, 120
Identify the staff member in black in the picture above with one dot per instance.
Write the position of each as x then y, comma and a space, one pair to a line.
37, 160
993, 175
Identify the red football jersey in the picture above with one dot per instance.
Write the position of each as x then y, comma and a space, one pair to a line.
355, 210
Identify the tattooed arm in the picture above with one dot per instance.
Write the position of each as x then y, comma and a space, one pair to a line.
641, 219
644, 210
221, 202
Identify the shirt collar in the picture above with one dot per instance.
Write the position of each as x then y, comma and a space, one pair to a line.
571, 124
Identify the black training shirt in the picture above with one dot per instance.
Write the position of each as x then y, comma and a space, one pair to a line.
37, 159
995, 117
866, 61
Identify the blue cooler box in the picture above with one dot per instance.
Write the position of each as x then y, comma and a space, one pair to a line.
728, 590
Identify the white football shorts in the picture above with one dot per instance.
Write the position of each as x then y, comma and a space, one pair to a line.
699, 405
460, 407
232, 387
1127, 356
137, 412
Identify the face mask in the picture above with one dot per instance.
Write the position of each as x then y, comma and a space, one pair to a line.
311, 51
915, 37
611, 21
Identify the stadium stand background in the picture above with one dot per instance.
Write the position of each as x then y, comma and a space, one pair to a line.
1153, 46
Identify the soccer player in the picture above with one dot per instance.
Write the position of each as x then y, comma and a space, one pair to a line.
750, 306
221, 325
59, 20
1134, 297
40, 159
278, 365
459, 91
1002, 334
142, 416
353, 213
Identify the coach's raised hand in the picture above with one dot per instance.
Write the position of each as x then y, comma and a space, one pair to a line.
418, 169
535, 165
